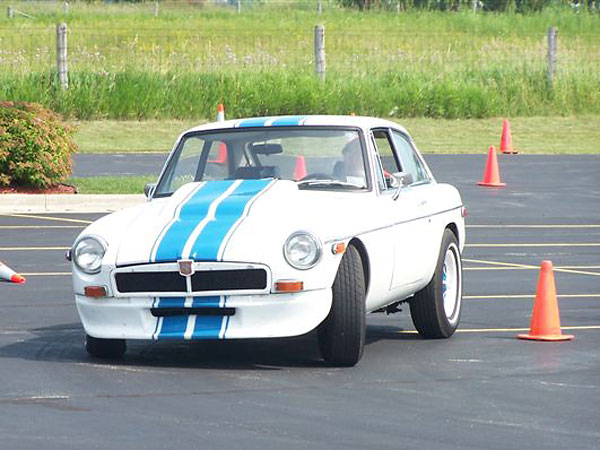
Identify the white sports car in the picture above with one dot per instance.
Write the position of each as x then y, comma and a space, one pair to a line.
272, 227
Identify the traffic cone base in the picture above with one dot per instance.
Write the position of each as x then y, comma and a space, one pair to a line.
483, 183
545, 318
491, 175
562, 337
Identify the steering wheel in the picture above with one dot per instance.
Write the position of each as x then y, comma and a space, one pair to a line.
317, 176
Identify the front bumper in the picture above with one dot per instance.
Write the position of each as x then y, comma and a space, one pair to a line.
255, 316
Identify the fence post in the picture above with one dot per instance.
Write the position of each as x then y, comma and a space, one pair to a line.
10, 12
552, 52
238, 6
156, 8
474, 6
320, 7
66, 8
320, 51
61, 55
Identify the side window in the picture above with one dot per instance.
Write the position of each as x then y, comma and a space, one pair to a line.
387, 161
386, 151
409, 159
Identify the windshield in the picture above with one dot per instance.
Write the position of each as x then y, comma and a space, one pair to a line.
316, 158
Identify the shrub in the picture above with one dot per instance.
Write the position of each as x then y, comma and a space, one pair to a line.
35, 145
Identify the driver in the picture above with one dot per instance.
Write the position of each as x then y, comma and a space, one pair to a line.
354, 166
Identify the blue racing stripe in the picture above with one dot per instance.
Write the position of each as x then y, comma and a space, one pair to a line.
173, 327
207, 327
170, 302
212, 301
259, 122
196, 209
288, 121
209, 241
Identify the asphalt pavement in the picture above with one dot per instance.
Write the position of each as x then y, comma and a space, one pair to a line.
480, 389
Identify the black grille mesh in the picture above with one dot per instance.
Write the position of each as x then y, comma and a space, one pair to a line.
209, 280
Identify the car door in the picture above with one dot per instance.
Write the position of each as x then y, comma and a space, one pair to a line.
426, 195
405, 210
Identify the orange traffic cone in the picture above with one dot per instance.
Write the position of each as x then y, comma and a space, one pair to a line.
545, 320
7, 274
221, 156
491, 175
300, 170
506, 145
220, 112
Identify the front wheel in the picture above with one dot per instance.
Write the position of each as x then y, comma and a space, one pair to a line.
435, 310
105, 348
342, 334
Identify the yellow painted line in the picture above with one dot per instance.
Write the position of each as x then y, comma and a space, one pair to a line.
18, 249
508, 330
518, 296
60, 219
547, 244
38, 227
45, 274
527, 266
535, 226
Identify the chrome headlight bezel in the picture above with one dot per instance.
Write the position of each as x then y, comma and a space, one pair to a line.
92, 242
308, 238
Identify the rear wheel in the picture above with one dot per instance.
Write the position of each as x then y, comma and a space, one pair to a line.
105, 348
435, 310
342, 334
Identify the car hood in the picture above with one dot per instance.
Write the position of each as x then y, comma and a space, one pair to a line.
236, 220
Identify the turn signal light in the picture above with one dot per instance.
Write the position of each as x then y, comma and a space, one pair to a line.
463, 211
338, 248
95, 291
289, 286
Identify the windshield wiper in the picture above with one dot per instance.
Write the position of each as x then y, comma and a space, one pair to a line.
328, 184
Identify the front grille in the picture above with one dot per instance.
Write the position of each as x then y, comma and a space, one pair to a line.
202, 281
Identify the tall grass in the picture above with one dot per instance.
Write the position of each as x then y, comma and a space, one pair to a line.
126, 63
145, 95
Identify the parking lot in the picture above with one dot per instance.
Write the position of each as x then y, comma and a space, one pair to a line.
481, 389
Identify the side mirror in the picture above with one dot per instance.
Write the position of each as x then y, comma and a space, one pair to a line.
149, 189
402, 180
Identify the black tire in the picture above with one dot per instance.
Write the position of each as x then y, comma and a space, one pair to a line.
105, 348
342, 333
431, 317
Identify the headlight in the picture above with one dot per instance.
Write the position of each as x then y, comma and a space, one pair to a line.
302, 250
88, 253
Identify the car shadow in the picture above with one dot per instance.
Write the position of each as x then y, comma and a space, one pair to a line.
65, 343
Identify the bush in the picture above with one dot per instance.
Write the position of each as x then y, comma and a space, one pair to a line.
35, 145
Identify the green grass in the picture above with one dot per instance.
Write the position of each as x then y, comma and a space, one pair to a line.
554, 135
111, 185
150, 95
127, 64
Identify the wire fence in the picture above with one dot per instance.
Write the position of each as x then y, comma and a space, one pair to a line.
359, 53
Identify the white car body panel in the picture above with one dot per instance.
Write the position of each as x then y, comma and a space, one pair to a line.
401, 239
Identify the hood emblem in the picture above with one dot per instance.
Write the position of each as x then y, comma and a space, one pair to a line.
186, 267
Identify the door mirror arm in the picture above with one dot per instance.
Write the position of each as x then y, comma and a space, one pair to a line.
401, 180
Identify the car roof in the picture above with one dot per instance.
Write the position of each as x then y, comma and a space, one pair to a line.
299, 120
